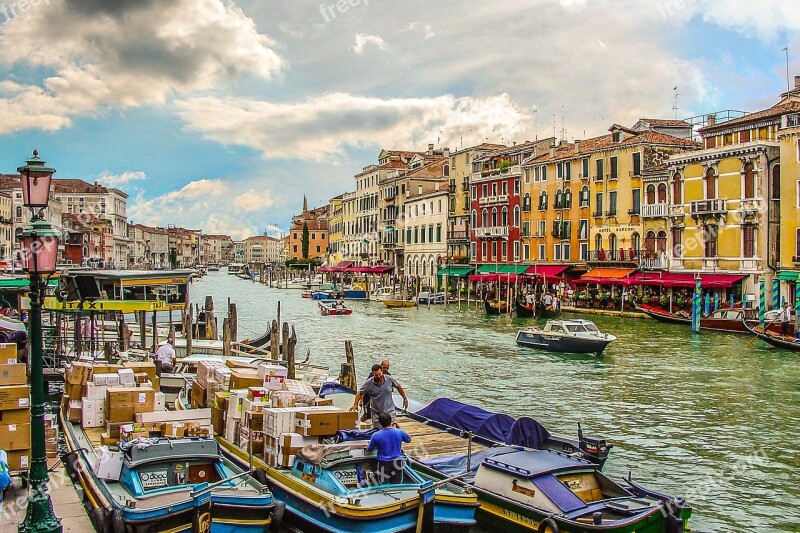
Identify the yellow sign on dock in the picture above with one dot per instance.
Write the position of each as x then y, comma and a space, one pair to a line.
125, 306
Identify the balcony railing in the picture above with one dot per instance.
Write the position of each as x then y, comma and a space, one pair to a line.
676, 211
707, 207
598, 178
619, 256
583, 177
654, 210
491, 232
458, 235
611, 177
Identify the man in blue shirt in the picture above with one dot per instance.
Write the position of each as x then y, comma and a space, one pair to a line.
389, 443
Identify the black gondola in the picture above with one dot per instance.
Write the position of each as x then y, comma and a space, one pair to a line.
495, 307
549, 312
774, 339
524, 309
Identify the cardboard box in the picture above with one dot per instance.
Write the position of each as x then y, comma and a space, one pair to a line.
200, 415
148, 367
142, 378
198, 396
205, 371
16, 416
282, 399
123, 403
233, 364
235, 403
74, 412
160, 402
14, 397
108, 380
266, 371
8, 353
155, 383
92, 420
253, 420
93, 406
79, 373
96, 392
324, 422
75, 390
112, 428
15, 437
108, 440
108, 464
105, 368
212, 386
19, 460
231, 430
323, 402
223, 375
13, 374
218, 420
249, 405
127, 377
244, 378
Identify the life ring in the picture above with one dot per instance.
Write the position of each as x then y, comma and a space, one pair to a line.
117, 522
277, 516
548, 522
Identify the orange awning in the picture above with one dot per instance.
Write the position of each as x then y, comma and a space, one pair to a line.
610, 272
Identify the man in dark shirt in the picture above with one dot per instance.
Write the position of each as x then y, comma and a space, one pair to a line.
379, 391
384, 366
389, 443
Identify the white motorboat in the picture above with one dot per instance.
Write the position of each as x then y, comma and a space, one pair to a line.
568, 336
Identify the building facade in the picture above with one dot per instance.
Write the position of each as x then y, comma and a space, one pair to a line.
425, 232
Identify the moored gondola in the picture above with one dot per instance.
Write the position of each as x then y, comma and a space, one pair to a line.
663, 315
774, 339
495, 307
523, 309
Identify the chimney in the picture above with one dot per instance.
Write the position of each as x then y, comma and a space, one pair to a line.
797, 82
437, 186
711, 120
552, 151
430, 149
446, 151
577, 146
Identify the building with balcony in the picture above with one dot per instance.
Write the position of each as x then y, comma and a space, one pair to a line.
6, 233
424, 232
457, 173
20, 216
316, 222
496, 202
262, 250
335, 230
218, 249
350, 246
721, 197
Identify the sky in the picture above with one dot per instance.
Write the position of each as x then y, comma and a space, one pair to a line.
221, 115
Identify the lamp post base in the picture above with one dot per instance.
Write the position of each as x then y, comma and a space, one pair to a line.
39, 517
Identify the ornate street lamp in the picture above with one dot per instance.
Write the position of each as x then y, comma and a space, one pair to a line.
39, 250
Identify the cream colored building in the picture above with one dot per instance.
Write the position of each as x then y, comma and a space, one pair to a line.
6, 242
425, 232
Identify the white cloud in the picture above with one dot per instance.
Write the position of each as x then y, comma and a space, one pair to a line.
324, 126
117, 180
201, 204
429, 34
253, 200
362, 40
102, 54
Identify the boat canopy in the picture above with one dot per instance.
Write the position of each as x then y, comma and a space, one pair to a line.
493, 426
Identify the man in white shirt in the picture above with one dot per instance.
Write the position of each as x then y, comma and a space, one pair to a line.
164, 357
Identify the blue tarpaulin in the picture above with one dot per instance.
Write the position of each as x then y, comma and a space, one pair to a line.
529, 433
455, 465
469, 418
354, 434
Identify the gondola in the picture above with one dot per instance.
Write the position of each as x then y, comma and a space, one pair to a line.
775, 339
548, 311
524, 310
662, 315
495, 307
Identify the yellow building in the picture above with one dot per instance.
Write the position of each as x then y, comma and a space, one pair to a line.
785, 199
335, 222
350, 241
721, 210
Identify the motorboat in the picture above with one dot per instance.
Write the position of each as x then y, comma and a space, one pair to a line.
732, 319
568, 336
392, 303
539, 490
337, 487
428, 297
159, 484
333, 307
385, 293
237, 268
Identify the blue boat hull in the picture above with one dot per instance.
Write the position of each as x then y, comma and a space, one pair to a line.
355, 295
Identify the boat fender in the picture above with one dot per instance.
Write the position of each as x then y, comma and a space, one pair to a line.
260, 476
70, 461
674, 524
550, 524
99, 520
277, 516
117, 522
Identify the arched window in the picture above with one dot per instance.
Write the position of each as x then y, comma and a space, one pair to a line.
567, 198
662, 193
651, 194
584, 198
650, 241
661, 241
474, 218
612, 243
424, 268
485, 217
776, 182
598, 242
710, 240
749, 181
526, 201
494, 217
677, 197
504, 221
559, 199
636, 241
711, 184
446, 171
516, 216
543, 201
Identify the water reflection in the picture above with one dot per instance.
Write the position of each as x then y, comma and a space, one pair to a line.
699, 415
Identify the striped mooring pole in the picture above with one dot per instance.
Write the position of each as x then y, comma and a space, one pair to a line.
797, 299
696, 306
762, 300
776, 293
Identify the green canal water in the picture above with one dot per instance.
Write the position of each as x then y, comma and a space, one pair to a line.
702, 416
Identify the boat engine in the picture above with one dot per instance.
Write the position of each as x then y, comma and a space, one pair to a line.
594, 449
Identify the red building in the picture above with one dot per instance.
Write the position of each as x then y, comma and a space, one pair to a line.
496, 210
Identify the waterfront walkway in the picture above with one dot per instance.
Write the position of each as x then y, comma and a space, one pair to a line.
65, 502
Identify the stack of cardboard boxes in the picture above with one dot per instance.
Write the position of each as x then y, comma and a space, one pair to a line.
15, 409
263, 412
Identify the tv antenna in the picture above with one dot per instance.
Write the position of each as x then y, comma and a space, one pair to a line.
675, 105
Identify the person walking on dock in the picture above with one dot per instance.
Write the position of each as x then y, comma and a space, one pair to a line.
164, 358
389, 443
379, 391
786, 316
366, 401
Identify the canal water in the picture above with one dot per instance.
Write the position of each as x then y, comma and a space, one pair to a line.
704, 416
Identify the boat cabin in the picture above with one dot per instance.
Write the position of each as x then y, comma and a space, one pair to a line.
571, 326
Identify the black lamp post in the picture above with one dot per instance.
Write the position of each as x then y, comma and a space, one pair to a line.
39, 250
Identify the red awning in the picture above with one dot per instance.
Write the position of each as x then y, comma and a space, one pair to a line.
381, 269
685, 279
546, 271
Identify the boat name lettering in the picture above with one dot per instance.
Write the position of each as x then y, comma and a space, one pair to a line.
519, 518
152, 480
522, 490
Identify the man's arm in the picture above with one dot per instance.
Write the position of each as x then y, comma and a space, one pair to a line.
357, 401
406, 437
403, 394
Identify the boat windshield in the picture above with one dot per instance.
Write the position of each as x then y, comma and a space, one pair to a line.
575, 328
592, 328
